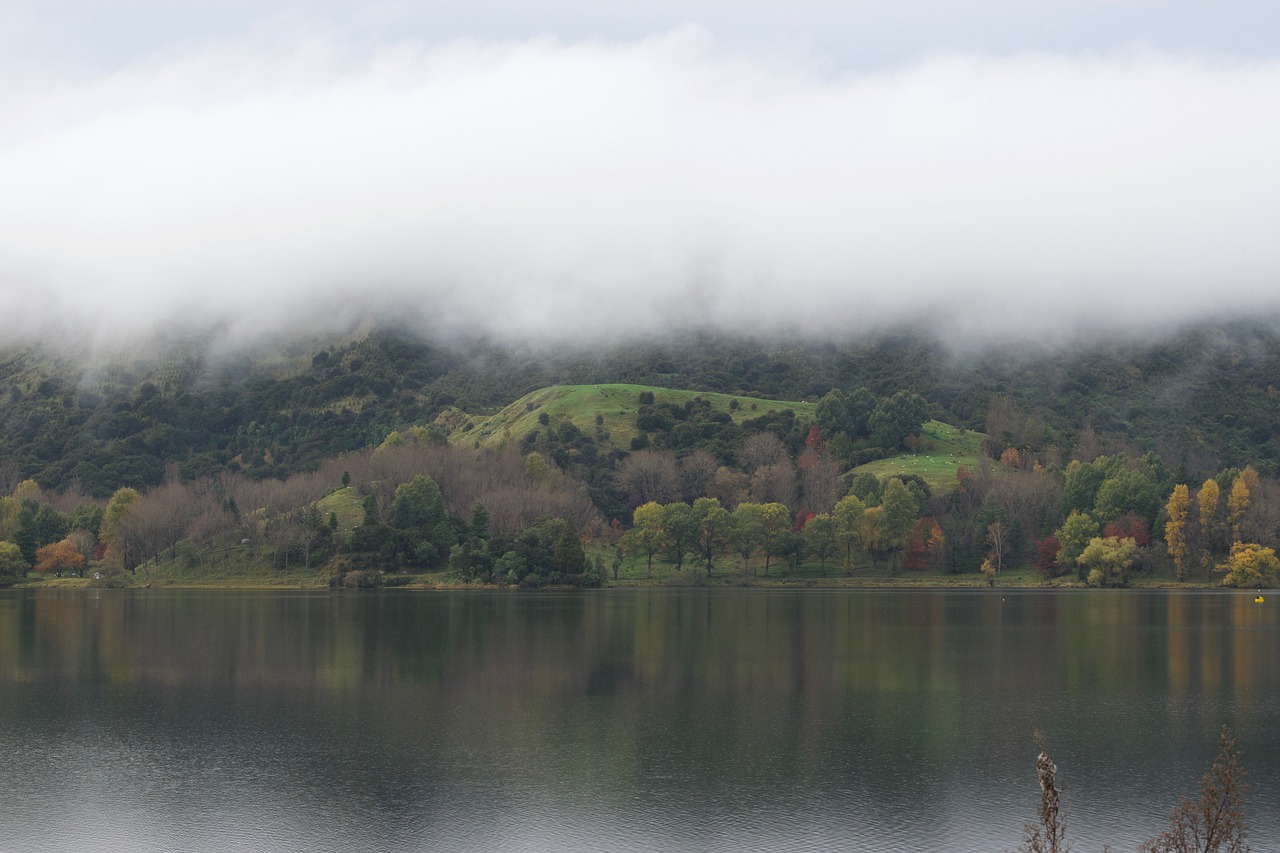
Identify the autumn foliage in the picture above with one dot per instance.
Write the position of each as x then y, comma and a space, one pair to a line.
59, 557
1129, 526
1047, 555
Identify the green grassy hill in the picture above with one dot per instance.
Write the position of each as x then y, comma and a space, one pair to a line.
617, 405
345, 504
943, 450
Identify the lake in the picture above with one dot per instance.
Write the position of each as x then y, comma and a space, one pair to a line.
629, 720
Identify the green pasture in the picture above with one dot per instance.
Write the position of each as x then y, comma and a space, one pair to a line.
616, 405
943, 450
345, 503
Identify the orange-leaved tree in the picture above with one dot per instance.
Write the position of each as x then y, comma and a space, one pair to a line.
59, 557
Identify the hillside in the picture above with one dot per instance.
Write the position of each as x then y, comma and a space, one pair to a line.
943, 450
617, 406
612, 413
1201, 398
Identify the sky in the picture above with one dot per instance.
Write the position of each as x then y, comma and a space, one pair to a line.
574, 170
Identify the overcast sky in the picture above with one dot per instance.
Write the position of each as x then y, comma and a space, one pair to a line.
596, 169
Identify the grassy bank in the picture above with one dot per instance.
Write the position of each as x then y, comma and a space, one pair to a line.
247, 570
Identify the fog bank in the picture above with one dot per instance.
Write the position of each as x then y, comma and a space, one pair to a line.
593, 189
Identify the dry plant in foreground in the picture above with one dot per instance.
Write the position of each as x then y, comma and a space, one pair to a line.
1212, 824
1215, 822
1049, 835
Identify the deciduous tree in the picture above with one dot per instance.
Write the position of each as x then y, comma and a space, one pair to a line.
763, 448
775, 523
1175, 528
1126, 490
871, 531
819, 474
1047, 555
713, 530
649, 475
847, 524
729, 487
997, 533
12, 564
117, 507
646, 535
1073, 537
681, 529
1080, 483
1250, 564
1237, 506
1208, 500
10, 510
820, 538
774, 484
1107, 560
747, 531
697, 472
900, 513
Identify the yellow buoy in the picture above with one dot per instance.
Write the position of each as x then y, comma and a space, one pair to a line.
1257, 599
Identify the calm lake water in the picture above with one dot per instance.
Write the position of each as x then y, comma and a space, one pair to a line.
620, 720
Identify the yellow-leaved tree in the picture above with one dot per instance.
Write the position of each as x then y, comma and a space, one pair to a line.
646, 535
1237, 505
1175, 529
847, 520
1250, 565
1207, 500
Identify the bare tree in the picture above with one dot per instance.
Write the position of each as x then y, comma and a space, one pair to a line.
763, 448
820, 479
997, 535
156, 521
729, 487
1033, 501
697, 472
649, 475
775, 483
71, 497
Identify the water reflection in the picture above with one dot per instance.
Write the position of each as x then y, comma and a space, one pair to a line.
650, 719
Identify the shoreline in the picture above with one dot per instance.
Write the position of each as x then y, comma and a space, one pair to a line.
296, 582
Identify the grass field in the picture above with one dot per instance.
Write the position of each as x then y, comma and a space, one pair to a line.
616, 404
952, 448
346, 505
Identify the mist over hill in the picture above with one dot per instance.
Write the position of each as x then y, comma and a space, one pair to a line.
296, 176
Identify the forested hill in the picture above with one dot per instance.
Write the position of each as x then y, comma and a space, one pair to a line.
1201, 398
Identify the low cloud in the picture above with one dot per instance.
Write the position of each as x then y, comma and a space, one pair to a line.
595, 189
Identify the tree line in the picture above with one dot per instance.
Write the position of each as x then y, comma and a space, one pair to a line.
407, 505
768, 499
